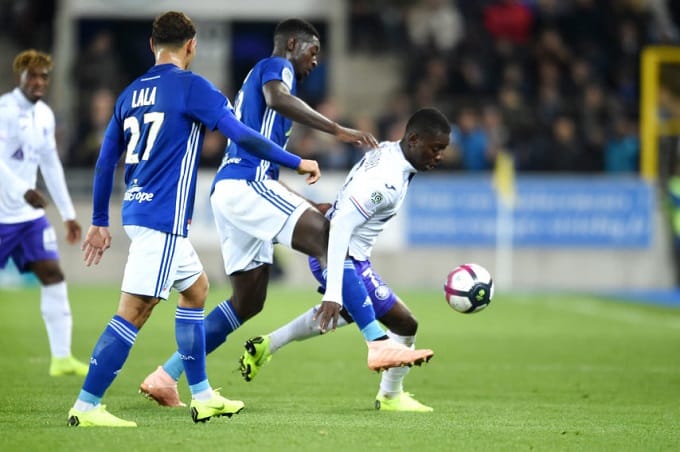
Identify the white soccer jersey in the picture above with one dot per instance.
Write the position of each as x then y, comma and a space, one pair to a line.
372, 194
26, 144
376, 187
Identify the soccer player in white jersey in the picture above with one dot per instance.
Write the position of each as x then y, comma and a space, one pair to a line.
27, 143
159, 122
253, 209
373, 193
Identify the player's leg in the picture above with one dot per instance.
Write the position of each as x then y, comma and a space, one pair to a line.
396, 316
192, 283
309, 235
246, 221
37, 252
259, 349
384, 355
56, 313
147, 278
109, 355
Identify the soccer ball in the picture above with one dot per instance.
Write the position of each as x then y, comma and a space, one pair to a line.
469, 288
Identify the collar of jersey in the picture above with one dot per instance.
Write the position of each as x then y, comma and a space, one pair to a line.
22, 101
163, 67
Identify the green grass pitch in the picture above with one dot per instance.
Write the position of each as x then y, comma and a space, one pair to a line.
528, 373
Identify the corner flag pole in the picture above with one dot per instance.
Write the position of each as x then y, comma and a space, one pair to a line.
504, 183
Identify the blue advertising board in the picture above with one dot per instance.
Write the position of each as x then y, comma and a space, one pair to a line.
549, 212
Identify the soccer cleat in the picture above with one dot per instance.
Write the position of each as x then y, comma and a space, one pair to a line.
388, 353
215, 407
255, 356
68, 366
403, 402
98, 417
161, 387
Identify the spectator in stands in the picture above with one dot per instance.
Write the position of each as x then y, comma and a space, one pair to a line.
509, 20
565, 150
92, 128
622, 151
471, 141
495, 129
434, 26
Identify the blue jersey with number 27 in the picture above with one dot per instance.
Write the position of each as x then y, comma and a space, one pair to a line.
159, 122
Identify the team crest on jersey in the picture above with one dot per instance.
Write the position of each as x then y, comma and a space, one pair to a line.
18, 155
382, 292
376, 197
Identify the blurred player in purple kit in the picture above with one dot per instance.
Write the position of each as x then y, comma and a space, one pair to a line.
27, 143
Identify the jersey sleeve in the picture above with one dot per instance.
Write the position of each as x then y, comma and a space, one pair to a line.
367, 198
7, 177
205, 102
112, 148
53, 173
278, 69
343, 224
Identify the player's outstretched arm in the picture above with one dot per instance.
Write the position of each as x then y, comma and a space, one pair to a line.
256, 143
278, 96
357, 137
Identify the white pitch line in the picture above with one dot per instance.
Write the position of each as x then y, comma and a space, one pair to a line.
611, 310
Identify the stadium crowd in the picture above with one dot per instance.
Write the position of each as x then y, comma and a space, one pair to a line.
554, 82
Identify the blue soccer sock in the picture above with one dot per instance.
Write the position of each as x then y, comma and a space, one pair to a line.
108, 357
218, 325
358, 304
190, 335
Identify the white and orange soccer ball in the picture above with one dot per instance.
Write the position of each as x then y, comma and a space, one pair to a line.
468, 288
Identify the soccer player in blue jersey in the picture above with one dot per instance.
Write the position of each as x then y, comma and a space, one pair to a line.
253, 210
158, 123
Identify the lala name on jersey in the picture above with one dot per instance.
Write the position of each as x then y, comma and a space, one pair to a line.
144, 97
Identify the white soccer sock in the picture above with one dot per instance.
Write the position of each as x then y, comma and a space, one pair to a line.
392, 380
56, 313
83, 406
302, 327
203, 396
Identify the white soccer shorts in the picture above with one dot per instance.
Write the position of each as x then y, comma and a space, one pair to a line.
249, 216
157, 262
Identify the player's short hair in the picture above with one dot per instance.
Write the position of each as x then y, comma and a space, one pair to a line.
173, 28
291, 27
428, 121
31, 58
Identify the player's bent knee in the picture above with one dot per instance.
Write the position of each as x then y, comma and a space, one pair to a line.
407, 326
